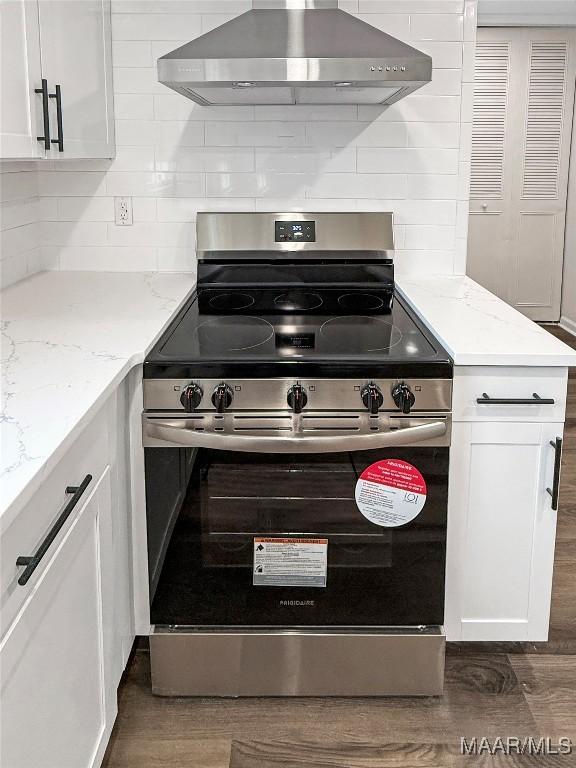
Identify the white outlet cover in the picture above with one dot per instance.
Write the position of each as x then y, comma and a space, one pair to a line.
123, 211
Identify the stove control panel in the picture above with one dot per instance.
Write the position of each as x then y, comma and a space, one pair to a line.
403, 396
295, 231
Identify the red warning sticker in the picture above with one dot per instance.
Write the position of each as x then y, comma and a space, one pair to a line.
391, 493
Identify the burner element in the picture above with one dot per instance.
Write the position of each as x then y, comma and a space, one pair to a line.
298, 301
361, 301
233, 333
360, 333
234, 301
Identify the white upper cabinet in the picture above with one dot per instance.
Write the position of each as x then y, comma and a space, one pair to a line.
60, 104
20, 74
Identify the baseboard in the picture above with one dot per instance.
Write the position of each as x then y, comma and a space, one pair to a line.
568, 325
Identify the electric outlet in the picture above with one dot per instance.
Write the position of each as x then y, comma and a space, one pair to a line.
123, 211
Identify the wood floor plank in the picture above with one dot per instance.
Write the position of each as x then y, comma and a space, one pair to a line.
549, 685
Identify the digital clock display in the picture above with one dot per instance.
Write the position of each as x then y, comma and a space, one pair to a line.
295, 231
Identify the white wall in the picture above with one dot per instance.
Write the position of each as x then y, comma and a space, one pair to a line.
568, 311
20, 229
175, 158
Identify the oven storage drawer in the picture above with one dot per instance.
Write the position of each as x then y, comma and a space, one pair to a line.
405, 662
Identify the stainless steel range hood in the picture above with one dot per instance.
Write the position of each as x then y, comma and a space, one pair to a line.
295, 52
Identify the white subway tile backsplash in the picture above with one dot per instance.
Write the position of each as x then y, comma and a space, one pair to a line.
305, 160
132, 53
180, 6
256, 184
411, 6
259, 134
132, 133
184, 209
74, 233
306, 112
407, 160
73, 183
356, 133
437, 135
432, 187
144, 208
155, 26
82, 209
108, 259
176, 158
437, 26
133, 159
395, 24
204, 159
428, 237
137, 80
130, 106
155, 184
181, 235
172, 134
359, 185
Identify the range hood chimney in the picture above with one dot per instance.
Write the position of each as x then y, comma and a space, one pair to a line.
295, 52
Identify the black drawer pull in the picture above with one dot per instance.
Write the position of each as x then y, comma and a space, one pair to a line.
555, 490
58, 96
534, 400
32, 562
45, 114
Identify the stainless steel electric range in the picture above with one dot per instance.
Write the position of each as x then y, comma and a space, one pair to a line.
296, 426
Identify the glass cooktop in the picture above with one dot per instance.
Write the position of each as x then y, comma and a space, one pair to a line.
245, 338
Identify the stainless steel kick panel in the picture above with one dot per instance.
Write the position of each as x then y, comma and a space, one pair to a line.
323, 394
187, 662
289, 433
236, 233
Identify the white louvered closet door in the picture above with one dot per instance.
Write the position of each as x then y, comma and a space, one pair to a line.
523, 107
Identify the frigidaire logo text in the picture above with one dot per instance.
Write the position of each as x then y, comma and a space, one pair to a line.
297, 602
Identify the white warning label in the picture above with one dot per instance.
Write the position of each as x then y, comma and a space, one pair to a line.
290, 562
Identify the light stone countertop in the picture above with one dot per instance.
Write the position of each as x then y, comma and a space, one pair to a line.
68, 340
478, 328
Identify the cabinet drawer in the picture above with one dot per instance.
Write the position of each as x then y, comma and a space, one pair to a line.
87, 456
509, 384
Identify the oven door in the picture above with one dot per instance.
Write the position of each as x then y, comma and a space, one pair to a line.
341, 532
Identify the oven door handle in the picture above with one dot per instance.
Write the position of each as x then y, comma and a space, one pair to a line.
176, 432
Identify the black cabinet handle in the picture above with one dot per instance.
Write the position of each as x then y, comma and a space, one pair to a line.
45, 113
32, 561
58, 96
534, 400
555, 490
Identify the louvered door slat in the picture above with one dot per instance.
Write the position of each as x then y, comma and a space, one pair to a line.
546, 104
489, 126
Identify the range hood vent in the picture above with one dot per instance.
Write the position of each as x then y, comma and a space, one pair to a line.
295, 52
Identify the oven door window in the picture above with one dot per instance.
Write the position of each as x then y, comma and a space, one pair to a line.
375, 575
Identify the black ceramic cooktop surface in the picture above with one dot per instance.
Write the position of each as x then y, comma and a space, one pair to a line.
256, 343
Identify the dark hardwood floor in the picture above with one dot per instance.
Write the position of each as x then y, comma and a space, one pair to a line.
498, 689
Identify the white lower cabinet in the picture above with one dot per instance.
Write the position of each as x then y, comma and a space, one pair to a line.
501, 531
58, 700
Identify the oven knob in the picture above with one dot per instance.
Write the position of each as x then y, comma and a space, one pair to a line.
191, 397
403, 397
297, 398
222, 397
372, 397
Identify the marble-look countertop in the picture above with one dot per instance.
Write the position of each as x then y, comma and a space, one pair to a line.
68, 339
478, 328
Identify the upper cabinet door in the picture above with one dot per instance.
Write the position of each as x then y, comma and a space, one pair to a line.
75, 47
21, 109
